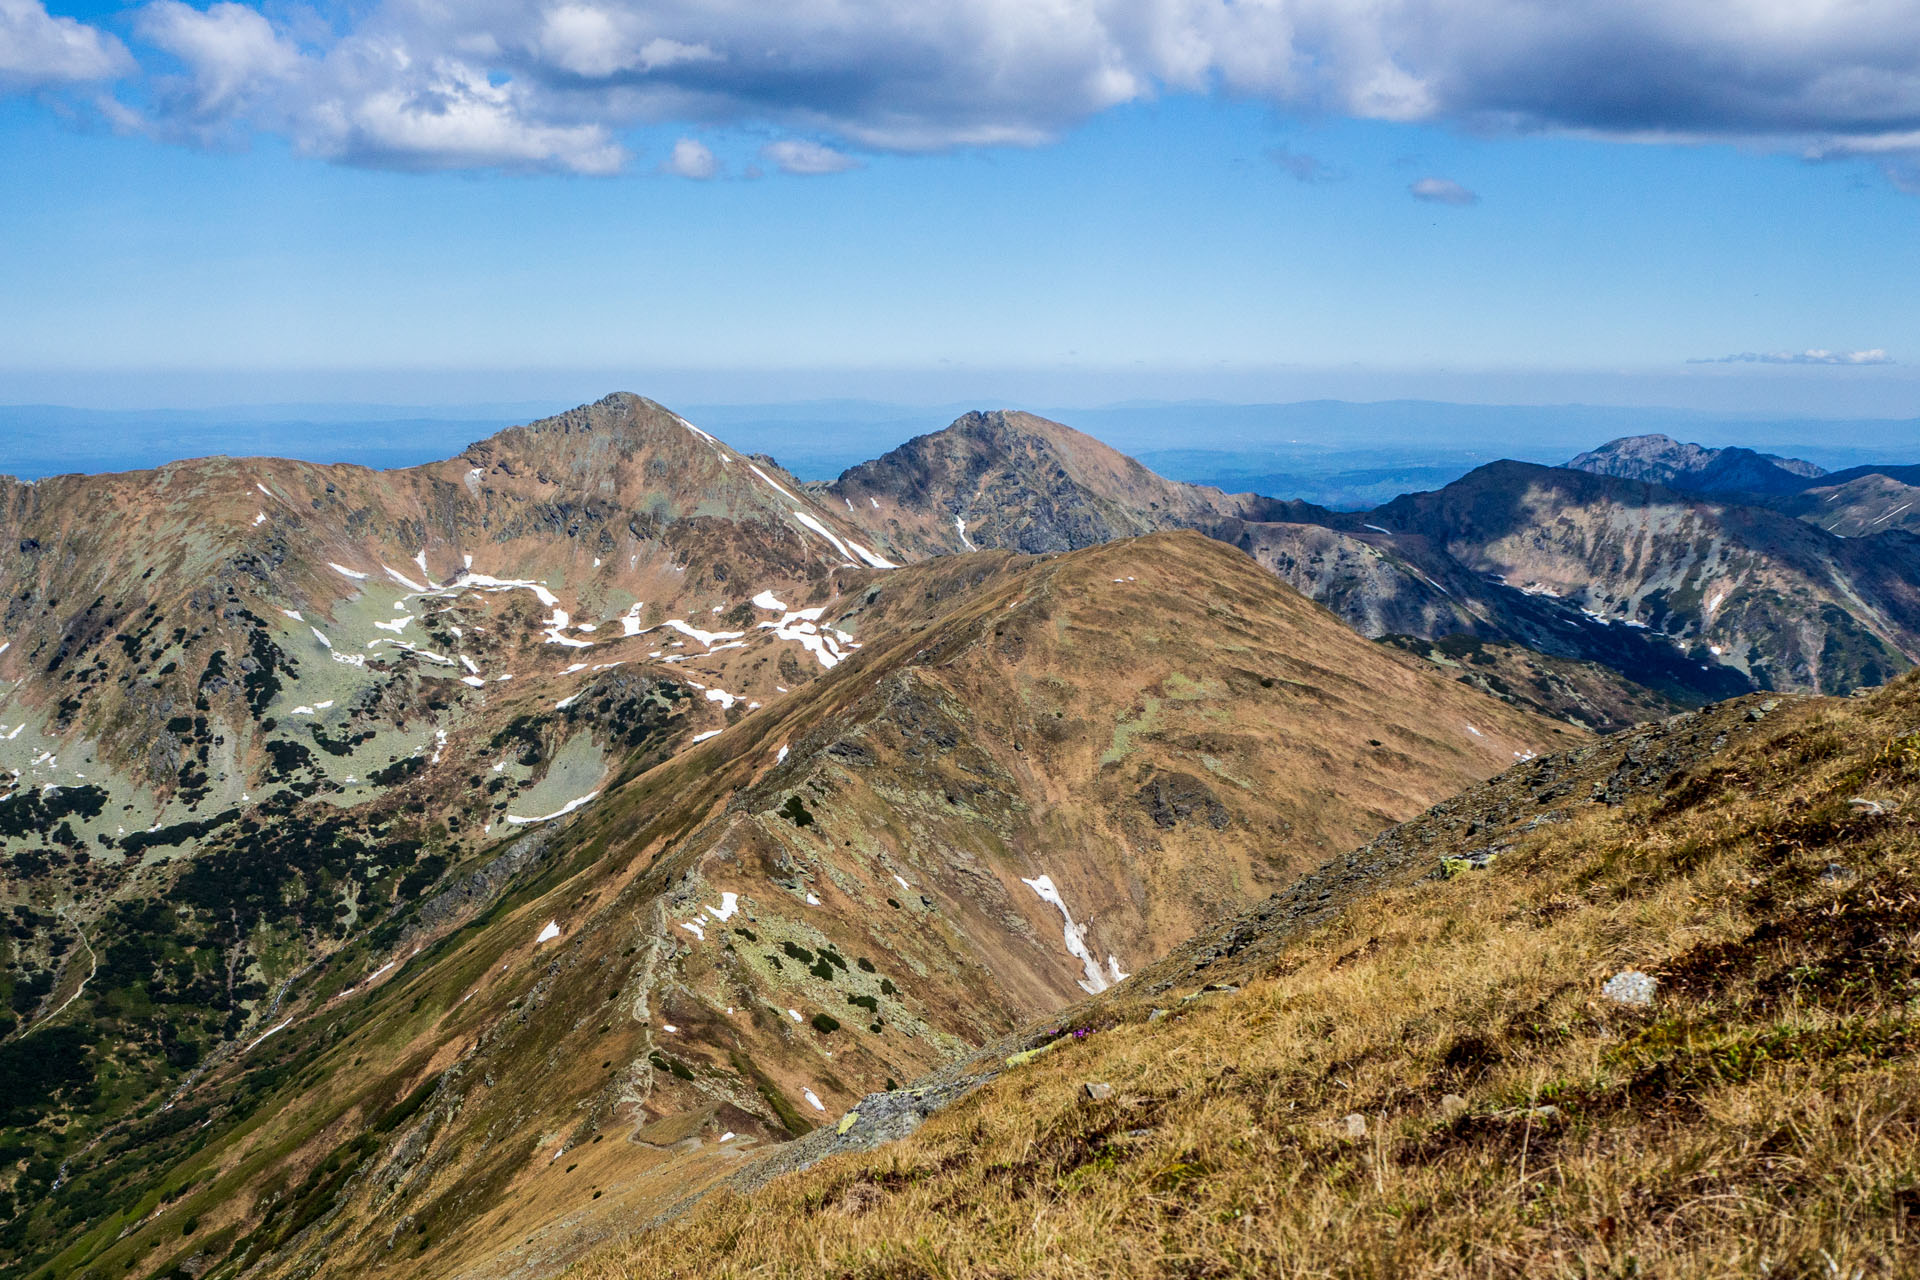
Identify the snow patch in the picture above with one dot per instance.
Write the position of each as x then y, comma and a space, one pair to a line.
781, 758
1095, 981
772, 483
695, 930
729, 903
561, 812
873, 561
767, 600
487, 582
702, 737
967, 542
824, 532
345, 572
558, 623
813, 1100
707, 638
269, 1031
549, 933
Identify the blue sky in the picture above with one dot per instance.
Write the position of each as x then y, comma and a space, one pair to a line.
188, 220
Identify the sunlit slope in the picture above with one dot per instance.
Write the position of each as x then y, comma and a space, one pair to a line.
267, 726
1036, 773
1414, 1063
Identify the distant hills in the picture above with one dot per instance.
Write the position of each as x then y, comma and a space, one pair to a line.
1689, 598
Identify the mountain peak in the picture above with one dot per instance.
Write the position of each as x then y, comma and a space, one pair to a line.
1004, 478
1693, 468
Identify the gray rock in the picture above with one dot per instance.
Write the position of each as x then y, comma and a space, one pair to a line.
1629, 987
1097, 1091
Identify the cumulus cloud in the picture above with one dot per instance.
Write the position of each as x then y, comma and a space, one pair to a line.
38, 50
691, 159
452, 116
554, 82
232, 56
794, 155
1813, 355
1442, 191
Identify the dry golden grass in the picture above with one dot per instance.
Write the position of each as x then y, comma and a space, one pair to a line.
1762, 1118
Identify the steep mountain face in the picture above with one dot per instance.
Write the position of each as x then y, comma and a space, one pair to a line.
1785, 603
752, 829
1691, 468
1858, 502
1686, 598
1646, 1007
1561, 688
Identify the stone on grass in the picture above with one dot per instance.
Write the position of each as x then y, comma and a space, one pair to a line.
1629, 987
1097, 1092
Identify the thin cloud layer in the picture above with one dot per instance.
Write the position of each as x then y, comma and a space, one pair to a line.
1302, 167
525, 84
1441, 191
1814, 355
794, 155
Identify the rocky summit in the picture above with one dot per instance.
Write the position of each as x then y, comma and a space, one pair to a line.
450, 871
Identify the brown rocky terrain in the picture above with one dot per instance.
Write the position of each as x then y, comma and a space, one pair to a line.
347, 1029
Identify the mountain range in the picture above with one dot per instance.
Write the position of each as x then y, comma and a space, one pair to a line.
452, 868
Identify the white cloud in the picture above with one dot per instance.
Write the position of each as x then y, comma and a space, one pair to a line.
231, 53
596, 43
453, 117
1442, 191
796, 155
1819, 79
691, 159
39, 50
1813, 355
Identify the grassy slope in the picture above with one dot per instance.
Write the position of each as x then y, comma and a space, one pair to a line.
1759, 1119
412, 1124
